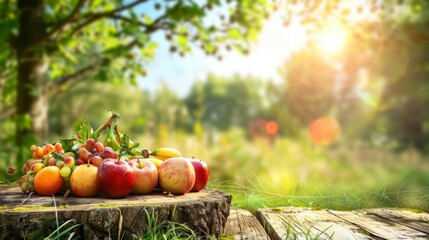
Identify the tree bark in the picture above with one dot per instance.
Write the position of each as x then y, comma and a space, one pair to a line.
32, 72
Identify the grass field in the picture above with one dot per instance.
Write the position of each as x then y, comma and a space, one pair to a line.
297, 172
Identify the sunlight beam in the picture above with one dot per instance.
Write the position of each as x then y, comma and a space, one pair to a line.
332, 40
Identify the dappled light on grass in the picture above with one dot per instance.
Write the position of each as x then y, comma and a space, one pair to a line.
251, 195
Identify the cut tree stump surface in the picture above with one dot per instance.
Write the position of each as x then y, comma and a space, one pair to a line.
304, 223
205, 212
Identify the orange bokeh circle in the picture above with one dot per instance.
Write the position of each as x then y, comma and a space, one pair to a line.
324, 131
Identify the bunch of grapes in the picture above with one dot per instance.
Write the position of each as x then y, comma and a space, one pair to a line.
94, 153
91, 152
45, 155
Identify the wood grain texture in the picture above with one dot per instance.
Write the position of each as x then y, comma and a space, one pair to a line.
242, 224
415, 220
301, 223
304, 223
205, 212
380, 227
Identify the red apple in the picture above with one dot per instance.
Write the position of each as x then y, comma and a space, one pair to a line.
146, 176
83, 180
176, 175
115, 178
202, 174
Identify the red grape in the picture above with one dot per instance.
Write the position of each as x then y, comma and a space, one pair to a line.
11, 170
99, 147
90, 143
84, 154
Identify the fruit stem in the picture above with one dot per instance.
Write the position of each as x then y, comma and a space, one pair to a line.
110, 140
118, 134
122, 154
96, 134
67, 193
145, 153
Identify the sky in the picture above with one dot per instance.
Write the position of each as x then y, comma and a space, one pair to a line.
274, 46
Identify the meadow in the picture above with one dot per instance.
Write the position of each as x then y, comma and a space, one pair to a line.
296, 172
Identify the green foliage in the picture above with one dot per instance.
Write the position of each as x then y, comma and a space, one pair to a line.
105, 41
49, 230
83, 130
157, 230
221, 103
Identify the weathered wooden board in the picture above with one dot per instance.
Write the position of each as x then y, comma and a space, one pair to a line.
206, 212
300, 223
241, 224
303, 223
380, 227
415, 220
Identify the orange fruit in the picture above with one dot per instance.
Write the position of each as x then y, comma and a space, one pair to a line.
48, 181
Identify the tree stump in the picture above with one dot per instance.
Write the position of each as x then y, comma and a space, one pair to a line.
205, 212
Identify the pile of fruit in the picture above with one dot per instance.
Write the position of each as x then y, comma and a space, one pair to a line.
86, 167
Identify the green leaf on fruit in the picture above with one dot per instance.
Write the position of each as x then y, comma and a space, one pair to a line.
57, 156
125, 143
67, 144
84, 130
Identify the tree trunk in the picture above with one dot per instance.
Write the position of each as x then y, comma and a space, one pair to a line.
32, 107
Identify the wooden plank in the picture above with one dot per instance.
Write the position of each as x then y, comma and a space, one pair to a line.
336, 227
291, 225
380, 227
241, 224
300, 223
417, 221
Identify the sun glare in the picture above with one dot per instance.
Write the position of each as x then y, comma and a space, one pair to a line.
332, 40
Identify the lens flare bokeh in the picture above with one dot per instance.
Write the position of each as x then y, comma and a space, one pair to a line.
324, 131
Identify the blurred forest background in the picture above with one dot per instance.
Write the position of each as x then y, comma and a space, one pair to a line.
252, 132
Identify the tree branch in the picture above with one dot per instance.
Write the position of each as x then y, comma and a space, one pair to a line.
74, 77
80, 75
92, 17
127, 19
150, 28
71, 79
63, 23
